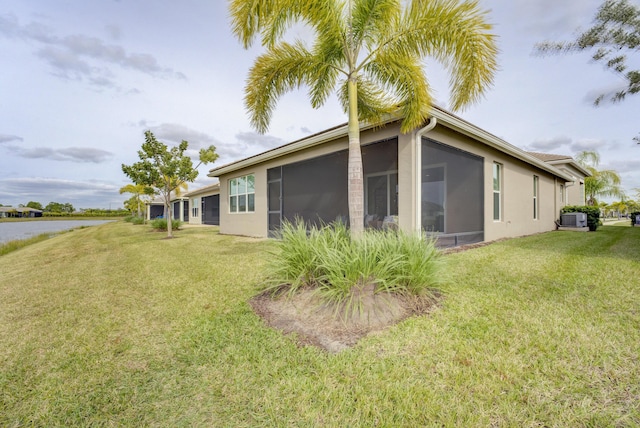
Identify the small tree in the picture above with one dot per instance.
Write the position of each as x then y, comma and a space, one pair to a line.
140, 194
165, 170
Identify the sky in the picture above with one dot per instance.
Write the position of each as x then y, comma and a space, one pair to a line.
81, 81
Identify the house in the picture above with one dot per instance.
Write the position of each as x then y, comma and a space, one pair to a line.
573, 192
179, 208
205, 205
449, 178
20, 212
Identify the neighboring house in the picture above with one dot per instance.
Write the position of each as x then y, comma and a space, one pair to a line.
205, 205
450, 179
179, 206
20, 212
572, 193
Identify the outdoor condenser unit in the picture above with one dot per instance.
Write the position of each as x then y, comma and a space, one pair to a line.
574, 220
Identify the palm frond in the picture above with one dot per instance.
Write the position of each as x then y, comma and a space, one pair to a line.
457, 35
283, 68
404, 77
373, 101
372, 19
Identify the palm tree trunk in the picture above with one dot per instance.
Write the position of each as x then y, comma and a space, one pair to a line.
356, 182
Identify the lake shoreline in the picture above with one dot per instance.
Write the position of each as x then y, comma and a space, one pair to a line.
20, 230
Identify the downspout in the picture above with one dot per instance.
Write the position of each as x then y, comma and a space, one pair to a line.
418, 184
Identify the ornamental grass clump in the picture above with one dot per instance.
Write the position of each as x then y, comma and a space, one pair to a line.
161, 224
344, 270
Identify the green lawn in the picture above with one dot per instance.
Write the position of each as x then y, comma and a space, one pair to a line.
114, 326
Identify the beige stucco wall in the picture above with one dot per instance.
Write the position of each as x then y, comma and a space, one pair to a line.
517, 190
517, 217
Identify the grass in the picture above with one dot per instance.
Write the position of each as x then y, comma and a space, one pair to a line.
114, 326
61, 218
10, 246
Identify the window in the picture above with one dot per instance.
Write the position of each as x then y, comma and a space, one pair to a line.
497, 192
562, 194
535, 197
194, 207
242, 194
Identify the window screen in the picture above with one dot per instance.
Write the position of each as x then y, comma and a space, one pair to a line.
452, 194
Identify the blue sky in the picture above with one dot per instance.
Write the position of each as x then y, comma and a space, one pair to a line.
81, 81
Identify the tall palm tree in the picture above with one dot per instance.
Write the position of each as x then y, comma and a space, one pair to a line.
370, 52
603, 183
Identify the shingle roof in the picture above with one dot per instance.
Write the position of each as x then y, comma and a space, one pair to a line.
548, 157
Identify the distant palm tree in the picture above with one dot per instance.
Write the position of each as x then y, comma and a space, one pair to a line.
370, 52
603, 183
138, 191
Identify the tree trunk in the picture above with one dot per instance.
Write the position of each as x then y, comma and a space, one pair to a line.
167, 207
139, 207
356, 182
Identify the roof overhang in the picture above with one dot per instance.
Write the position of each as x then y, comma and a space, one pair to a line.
212, 188
573, 164
443, 117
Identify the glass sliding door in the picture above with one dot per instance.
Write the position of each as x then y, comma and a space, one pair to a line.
434, 198
381, 198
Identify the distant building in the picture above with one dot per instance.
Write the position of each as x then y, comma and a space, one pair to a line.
19, 212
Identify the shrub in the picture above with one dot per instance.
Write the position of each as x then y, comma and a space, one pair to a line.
593, 214
139, 220
161, 224
128, 218
340, 267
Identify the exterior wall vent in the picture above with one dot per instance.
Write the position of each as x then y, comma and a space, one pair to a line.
574, 220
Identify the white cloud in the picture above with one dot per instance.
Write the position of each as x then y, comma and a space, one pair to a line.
6, 138
70, 154
80, 57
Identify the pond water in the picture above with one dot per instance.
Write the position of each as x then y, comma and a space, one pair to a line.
14, 230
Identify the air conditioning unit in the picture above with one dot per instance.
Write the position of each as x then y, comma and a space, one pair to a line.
574, 220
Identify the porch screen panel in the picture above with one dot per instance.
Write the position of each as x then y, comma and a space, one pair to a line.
156, 211
176, 211
315, 190
452, 194
185, 211
211, 210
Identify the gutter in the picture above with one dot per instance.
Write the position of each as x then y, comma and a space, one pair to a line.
418, 164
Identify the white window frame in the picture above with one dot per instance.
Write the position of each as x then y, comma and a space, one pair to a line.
195, 204
497, 169
237, 193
